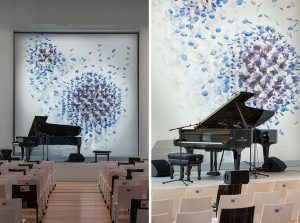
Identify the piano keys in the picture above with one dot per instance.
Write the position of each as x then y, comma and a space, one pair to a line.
42, 133
231, 127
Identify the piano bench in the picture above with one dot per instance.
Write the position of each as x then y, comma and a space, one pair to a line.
101, 153
187, 160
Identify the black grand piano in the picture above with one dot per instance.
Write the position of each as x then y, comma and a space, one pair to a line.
42, 133
231, 127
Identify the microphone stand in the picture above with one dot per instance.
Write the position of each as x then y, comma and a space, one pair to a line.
181, 179
252, 169
252, 166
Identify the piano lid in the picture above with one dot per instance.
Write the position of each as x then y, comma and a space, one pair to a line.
36, 121
40, 127
229, 115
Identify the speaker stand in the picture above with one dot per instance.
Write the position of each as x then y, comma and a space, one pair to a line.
256, 171
181, 180
181, 173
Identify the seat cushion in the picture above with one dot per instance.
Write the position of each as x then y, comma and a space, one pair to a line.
184, 158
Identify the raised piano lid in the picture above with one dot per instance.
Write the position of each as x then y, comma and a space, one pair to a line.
40, 127
228, 115
36, 121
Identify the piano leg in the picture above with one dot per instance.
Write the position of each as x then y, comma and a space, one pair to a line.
27, 158
22, 152
211, 161
78, 149
188, 168
237, 158
47, 150
266, 151
213, 164
199, 171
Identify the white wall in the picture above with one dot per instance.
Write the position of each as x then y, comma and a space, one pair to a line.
70, 15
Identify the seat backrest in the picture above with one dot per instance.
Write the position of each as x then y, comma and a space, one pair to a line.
202, 192
277, 213
228, 189
8, 187
293, 196
259, 187
171, 193
7, 215
140, 175
18, 170
142, 215
234, 201
12, 178
3, 170
15, 205
285, 185
2, 191
237, 215
262, 198
194, 204
194, 217
163, 207
121, 182
17, 173
160, 218
126, 193
145, 185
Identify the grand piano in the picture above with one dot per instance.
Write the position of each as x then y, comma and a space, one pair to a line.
42, 133
231, 127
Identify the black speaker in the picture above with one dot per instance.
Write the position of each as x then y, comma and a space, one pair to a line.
75, 157
6, 154
273, 164
160, 168
236, 177
132, 160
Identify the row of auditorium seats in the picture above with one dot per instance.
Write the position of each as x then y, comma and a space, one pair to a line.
276, 202
25, 185
125, 189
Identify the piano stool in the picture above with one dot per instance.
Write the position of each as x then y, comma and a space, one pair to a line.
184, 159
101, 153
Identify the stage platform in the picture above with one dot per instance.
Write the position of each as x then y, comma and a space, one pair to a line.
291, 173
86, 171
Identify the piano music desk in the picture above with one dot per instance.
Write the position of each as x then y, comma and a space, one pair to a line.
101, 153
